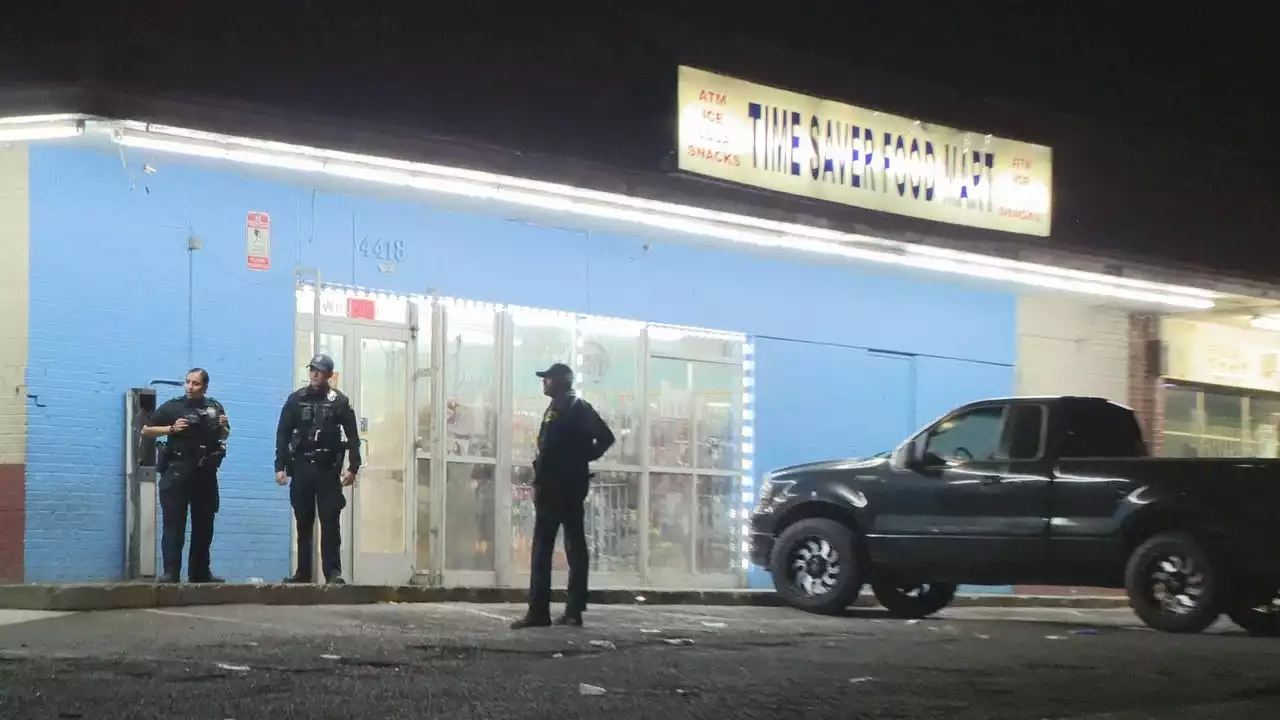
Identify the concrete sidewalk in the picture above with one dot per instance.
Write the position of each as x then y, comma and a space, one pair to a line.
119, 596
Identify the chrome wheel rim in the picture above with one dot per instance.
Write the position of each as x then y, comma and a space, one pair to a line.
1271, 607
1177, 583
815, 567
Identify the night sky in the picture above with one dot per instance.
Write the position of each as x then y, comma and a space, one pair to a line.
1159, 123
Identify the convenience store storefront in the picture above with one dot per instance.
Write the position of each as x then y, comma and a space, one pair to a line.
445, 493
717, 344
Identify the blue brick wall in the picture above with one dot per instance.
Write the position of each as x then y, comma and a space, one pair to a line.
108, 312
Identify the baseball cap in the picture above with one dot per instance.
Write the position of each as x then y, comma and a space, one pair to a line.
323, 363
557, 370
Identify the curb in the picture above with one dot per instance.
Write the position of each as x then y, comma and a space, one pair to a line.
133, 596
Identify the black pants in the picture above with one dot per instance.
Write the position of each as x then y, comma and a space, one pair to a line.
183, 489
317, 488
551, 511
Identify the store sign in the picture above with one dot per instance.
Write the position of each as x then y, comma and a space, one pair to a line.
257, 241
1219, 354
734, 130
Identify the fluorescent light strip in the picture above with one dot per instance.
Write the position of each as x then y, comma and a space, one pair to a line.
18, 132
1266, 322
665, 207
1060, 271
962, 264
41, 119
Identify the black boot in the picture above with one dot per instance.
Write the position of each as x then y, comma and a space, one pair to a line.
170, 576
570, 619
204, 578
298, 579
531, 621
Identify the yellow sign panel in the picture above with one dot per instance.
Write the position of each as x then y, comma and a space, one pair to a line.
773, 139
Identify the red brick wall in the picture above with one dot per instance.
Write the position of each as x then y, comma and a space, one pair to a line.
1145, 396
13, 521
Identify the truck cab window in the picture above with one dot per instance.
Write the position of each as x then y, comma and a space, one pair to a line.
973, 435
1101, 430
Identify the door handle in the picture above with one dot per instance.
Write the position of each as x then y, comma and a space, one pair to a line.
992, 479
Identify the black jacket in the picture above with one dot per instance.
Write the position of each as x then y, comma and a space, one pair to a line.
571, 436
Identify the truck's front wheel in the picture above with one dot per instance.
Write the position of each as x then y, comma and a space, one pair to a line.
815, 566
1174, 584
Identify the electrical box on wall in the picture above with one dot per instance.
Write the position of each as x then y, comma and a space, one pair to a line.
140, 486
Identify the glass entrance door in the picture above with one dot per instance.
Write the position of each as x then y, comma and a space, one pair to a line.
374, 366
382, 495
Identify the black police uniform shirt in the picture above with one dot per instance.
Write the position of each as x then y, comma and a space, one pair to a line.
204, 424
571, 436
296, 417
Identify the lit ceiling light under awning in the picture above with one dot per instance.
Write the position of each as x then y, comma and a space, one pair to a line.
40, 127
673, 217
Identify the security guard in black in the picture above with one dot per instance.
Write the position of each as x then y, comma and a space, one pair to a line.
197, 427
309, 448
571, 437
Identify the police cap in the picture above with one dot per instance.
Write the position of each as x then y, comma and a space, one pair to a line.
558, 371
322, 362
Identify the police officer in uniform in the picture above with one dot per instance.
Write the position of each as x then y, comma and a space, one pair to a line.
309, 447
197, 428
571, 436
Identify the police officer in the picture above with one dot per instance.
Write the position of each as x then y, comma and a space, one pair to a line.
571, 436
197, 428
309, 447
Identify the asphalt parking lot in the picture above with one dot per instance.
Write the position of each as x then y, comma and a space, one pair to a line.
461, 661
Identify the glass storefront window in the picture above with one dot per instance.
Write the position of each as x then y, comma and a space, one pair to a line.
608, 375
1264, 426
612, 522
693, 422
331, 345
679, 342
1223, 434
671, 514
471, 382
469, 520
674, 499
538, 341
1217, 422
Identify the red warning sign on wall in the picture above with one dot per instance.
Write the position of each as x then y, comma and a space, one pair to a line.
257, 241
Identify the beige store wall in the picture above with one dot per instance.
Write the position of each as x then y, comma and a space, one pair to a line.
14, 276
1070, 346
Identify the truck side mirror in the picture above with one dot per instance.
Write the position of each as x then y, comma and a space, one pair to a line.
932, 461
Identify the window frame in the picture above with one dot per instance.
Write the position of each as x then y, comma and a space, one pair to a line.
929, 432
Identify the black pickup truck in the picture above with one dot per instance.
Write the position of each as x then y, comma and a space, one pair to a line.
1036, 491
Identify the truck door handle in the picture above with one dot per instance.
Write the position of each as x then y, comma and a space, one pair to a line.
992, 479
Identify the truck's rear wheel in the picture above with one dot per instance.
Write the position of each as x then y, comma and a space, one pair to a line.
815, 566
912, 601
1174, 584
1262, 619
